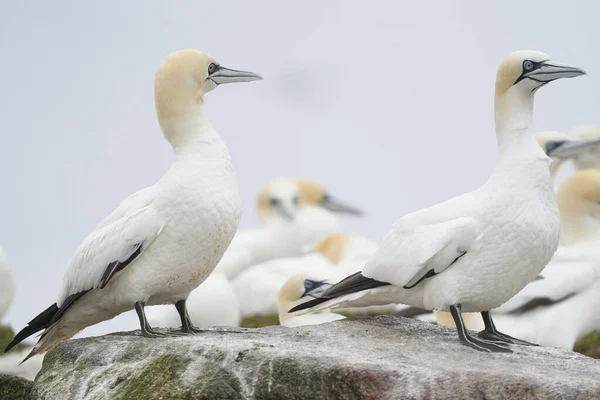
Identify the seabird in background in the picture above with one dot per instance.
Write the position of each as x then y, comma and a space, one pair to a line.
295, 213
7, 284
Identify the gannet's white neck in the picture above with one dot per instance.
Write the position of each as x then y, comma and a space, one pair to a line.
513, 112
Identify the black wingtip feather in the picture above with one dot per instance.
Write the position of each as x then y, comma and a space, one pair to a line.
41, 322
351, 284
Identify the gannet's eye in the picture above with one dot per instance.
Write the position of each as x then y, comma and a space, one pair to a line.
274, 202
295, 200
212, 68
527, 65
308, 284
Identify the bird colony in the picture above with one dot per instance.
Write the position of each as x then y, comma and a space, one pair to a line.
515, 262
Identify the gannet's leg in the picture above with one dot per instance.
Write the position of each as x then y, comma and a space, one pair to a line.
491, 333
147, 330
473, 342
187, 325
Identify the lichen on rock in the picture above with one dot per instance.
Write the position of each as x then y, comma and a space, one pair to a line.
14, 388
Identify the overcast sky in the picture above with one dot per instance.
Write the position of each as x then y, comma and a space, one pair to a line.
389, 104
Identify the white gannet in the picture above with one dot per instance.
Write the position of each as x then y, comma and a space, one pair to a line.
295, 213
474, 252
583, 150
213, 303
334, 257
7, 285
163, 241
298, 289
569, 273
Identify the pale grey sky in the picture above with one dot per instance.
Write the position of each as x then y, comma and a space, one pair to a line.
389, 104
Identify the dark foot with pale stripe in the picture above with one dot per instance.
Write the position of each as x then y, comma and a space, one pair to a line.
473, 342
145, 327
501, 337
491, 333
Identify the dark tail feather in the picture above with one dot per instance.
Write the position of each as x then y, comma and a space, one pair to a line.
352, 284
41, 322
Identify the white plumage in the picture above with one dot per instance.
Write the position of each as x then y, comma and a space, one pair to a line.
165, 240
474, 252
295, 213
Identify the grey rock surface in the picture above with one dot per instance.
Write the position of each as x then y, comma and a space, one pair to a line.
365, 358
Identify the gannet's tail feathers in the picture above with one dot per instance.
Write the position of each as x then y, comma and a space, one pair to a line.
39, 323
353, 284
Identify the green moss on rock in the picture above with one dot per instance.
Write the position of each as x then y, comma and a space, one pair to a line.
258, 321
215, 382
159, 379
6, 336
589, 345
14, 387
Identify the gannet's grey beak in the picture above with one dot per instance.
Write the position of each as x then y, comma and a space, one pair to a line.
336, 206
548, 71
223, 75
284, 212
570, 148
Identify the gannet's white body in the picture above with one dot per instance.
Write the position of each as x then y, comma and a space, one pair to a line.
295, 213
335, 257
474, 252
163, 241
213, 303
298, 289
7, 285
561, 306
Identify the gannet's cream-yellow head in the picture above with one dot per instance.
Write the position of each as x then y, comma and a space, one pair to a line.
579, 206
181, 81
298, 289
312, 193
333, 246
526, 71
519, 76
278, 199
281, 198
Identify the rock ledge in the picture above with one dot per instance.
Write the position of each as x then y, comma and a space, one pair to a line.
366, 358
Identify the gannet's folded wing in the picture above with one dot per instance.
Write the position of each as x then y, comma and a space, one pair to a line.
107, 251
410, 254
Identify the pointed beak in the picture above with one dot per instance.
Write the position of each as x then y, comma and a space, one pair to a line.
285, 213
336, 206
571, 148
225, 75
550, 71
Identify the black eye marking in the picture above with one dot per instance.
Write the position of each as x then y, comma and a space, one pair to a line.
274, 202
310, 286
212, 68
528, 67
553, 145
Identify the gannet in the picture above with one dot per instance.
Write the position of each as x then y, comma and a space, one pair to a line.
295, 213
561, 147
213, 303
298, 289
474, 252
335, 256
7, 285
163, 241
578, 199
591, 157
